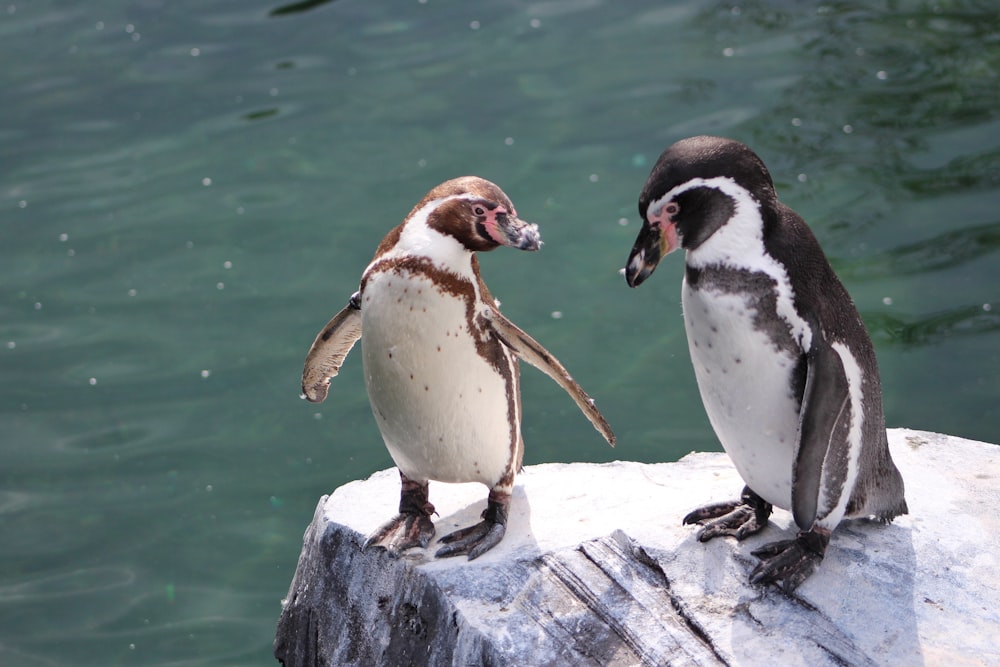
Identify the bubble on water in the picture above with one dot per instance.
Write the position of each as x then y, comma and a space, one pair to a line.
802, 178
535, 23
195, 52
557, 314
594, 178
848, 129
205, 373
92, 381
227, 264
206, 181
23, 203
887, 300
797, 122
881, 75
987, 307
509, 141
622, 221
474, 25
220, 285
132, 292
64, 237
11, 344
729, 52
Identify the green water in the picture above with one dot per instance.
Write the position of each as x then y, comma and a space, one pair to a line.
188, 190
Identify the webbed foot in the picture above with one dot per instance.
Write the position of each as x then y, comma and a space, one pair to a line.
480, 538
737, 518
412, 527
790, 561
402, 532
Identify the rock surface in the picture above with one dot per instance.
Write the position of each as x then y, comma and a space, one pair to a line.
596, 569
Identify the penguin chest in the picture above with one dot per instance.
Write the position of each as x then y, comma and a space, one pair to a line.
747, 378
444, 393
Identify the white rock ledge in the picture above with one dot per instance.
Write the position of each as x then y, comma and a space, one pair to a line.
596, 569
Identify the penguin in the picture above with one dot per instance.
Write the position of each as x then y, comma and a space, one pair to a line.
785, 367
441, 361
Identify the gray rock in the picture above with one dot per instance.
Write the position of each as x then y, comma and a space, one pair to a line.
596, 569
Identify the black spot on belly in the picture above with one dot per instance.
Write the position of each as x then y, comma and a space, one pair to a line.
738, 360
760, 294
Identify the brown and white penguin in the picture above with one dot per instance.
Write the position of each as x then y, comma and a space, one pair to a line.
441, 361
785, 367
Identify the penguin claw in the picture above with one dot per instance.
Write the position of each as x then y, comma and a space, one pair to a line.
790, 561
474, 540
735, 518
403, 531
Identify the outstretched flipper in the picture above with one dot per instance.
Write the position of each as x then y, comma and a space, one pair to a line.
737, 518
329, 350
531, 351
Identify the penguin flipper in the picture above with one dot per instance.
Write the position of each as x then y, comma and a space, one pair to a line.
329, 350
531, 351
824, 421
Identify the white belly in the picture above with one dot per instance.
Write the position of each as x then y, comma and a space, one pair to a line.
746, 392
442, 409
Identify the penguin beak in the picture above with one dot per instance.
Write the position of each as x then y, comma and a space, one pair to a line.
654, 242
509, 230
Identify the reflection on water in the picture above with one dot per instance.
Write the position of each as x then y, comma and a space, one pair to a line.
190, 192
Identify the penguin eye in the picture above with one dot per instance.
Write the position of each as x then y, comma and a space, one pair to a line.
672, 209
478, 210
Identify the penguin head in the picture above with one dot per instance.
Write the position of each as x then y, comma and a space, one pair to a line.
478, 214
696, 187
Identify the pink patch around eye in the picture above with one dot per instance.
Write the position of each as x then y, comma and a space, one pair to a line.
491, 226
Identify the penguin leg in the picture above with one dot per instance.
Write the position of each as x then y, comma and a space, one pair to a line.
412, 527
736, 518
480, 538
791, 561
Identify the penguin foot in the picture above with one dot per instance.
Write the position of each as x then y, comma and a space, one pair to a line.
402, 532
790, 561
736, 518
480, 538
412, 527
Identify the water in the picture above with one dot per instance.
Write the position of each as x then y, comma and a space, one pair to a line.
189, 190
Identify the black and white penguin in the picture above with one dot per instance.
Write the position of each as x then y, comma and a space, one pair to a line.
440, 361
785, 367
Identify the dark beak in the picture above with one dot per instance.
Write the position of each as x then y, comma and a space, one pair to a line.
655, 241
645, 255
